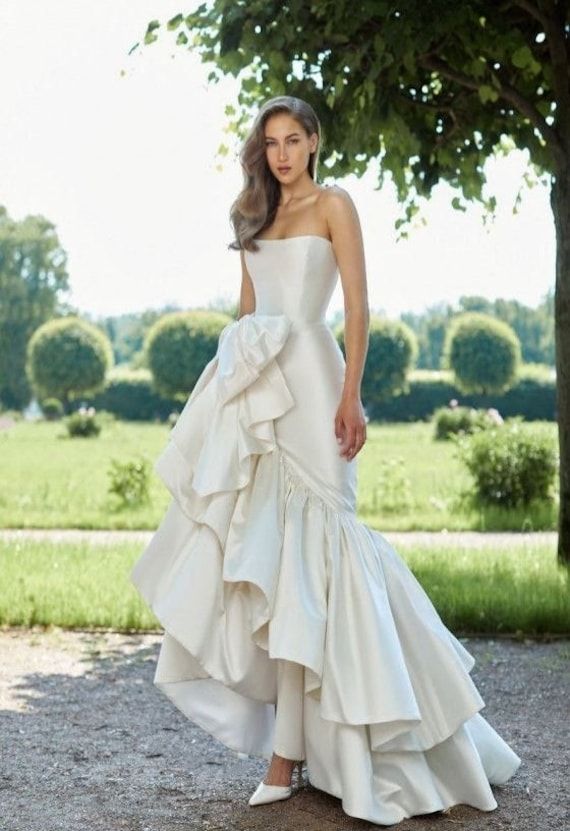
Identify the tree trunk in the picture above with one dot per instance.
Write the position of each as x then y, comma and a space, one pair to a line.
560, 201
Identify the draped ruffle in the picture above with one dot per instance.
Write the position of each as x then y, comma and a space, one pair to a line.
251, 564
228, 421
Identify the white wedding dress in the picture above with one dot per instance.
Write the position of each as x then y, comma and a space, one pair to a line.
260, 556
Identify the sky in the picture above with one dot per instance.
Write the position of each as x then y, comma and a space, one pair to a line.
119, 152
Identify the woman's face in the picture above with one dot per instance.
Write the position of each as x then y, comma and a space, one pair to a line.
287, 147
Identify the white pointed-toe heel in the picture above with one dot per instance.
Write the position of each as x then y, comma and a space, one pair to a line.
271, 793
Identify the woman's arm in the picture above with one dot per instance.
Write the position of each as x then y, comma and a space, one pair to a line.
346, 235
247, 293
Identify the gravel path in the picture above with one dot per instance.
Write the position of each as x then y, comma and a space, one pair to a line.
88, 742
471, 539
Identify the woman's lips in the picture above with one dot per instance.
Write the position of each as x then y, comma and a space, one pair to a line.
283, 169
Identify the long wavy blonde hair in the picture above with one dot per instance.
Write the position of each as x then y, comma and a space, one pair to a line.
256, 205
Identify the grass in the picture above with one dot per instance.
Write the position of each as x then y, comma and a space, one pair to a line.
48, 480
519, 590
433, 479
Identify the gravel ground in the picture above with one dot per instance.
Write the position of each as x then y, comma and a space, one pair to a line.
88, 742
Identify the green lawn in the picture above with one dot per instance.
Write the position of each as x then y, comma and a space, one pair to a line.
520, 590
436, 478
48, 480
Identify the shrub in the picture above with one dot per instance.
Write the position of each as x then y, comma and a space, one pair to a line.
83, 422
455, 420
483, 352
52, 408
392, 492
511, 466
129, 394
392, 352
129, 481
67, 357
533, 396
178, 347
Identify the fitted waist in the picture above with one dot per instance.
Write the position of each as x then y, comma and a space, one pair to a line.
301, 325
297, 324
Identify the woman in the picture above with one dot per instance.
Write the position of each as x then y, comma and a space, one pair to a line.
293, 631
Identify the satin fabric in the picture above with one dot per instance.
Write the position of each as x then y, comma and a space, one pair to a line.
260, 557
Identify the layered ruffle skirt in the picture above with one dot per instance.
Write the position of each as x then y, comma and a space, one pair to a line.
254, 562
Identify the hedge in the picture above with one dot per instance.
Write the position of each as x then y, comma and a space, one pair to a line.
533, 396
129, 394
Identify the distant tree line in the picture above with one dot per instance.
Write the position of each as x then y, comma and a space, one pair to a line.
33, 278
533, 326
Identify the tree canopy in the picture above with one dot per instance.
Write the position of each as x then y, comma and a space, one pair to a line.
427, 88
33, 273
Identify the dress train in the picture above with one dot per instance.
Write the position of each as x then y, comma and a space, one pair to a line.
260, 556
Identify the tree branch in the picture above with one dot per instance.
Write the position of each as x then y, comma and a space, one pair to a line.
430, 61
444, 108
441, 139
509, 93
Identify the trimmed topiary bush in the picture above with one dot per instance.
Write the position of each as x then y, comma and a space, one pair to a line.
484, 353
392, 352
178, 347
68, 357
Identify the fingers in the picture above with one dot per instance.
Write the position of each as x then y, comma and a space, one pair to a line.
355, 448
354, 442
338, 428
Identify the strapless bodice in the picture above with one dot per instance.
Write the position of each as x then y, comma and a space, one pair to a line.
295, 276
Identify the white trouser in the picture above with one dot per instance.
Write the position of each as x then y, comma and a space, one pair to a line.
289, 737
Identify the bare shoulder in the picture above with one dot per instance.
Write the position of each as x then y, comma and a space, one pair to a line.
338, 203
334, 193
339, 211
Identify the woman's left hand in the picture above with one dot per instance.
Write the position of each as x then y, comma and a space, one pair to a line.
350, 426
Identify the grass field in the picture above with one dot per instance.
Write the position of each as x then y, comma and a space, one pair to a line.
406, 480
520, 590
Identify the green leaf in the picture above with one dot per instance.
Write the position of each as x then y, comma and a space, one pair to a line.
544, 108
477, 67
495, 81
379, 44
370, 88
487, 93
175, 22
410, 62
522, 57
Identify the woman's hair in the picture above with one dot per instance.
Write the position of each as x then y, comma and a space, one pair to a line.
256, 205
